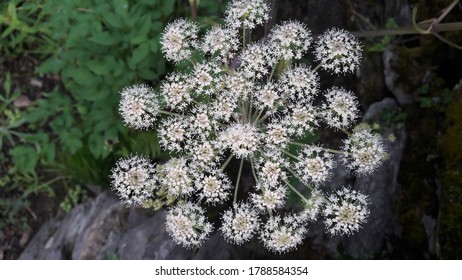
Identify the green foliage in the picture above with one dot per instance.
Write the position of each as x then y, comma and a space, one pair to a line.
19, 28
106, 45
22, 148
72, 198
386, 40
428, 99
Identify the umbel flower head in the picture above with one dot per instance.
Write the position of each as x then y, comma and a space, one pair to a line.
345, 211
138, 106
134, 180
187, 225
240, 223
249, 108
338, 51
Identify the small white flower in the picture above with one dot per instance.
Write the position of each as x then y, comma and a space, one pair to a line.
242, 139
200, 122
179, 39
206, 78
364, 151
240, 223
138, 106
338, 51
315, 165
176, 89
246, 13
290, 40
282, 235
267, 97
271, 173
174, 175
215, 188
203, 155
172, 133
300, 84
303, 118
236, 85
255, 61
345, 212
313, 204
134, 180
341, 108
270, 198
278, 134
187, 225
222, 41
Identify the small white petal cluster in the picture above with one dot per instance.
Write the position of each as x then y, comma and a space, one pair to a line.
338, 51
214, 188
291, 40
177, 91
255, 61
300, 84
315, 165
221, 41
188, 225
247, 13
256, 106
281, 235
270, 198
174, 175
138, 106
312, 206
134, 180
240, 223
241, 139
364, 151
340, 108
345, 212
179, 40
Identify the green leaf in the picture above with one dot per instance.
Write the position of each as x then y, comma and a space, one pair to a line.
96, 144
112, 19
51, 65
146, 26
49, 152
147, 74
104, 39
24, 158
140, 53
138, 40
71, 140
167, 7
81, 76
121, 7
97, 67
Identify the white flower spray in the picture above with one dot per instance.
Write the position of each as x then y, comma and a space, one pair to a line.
249, 102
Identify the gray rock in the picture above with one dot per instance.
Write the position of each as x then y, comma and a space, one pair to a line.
102, 228
389, 60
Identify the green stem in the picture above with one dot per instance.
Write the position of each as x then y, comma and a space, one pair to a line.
243, 37
226, 162
253, 170
272, 73
317, 67
238, 180
440, 27
258, 116
296, 191
324, 149
290, 154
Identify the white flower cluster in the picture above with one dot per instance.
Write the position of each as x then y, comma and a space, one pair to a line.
250, 104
